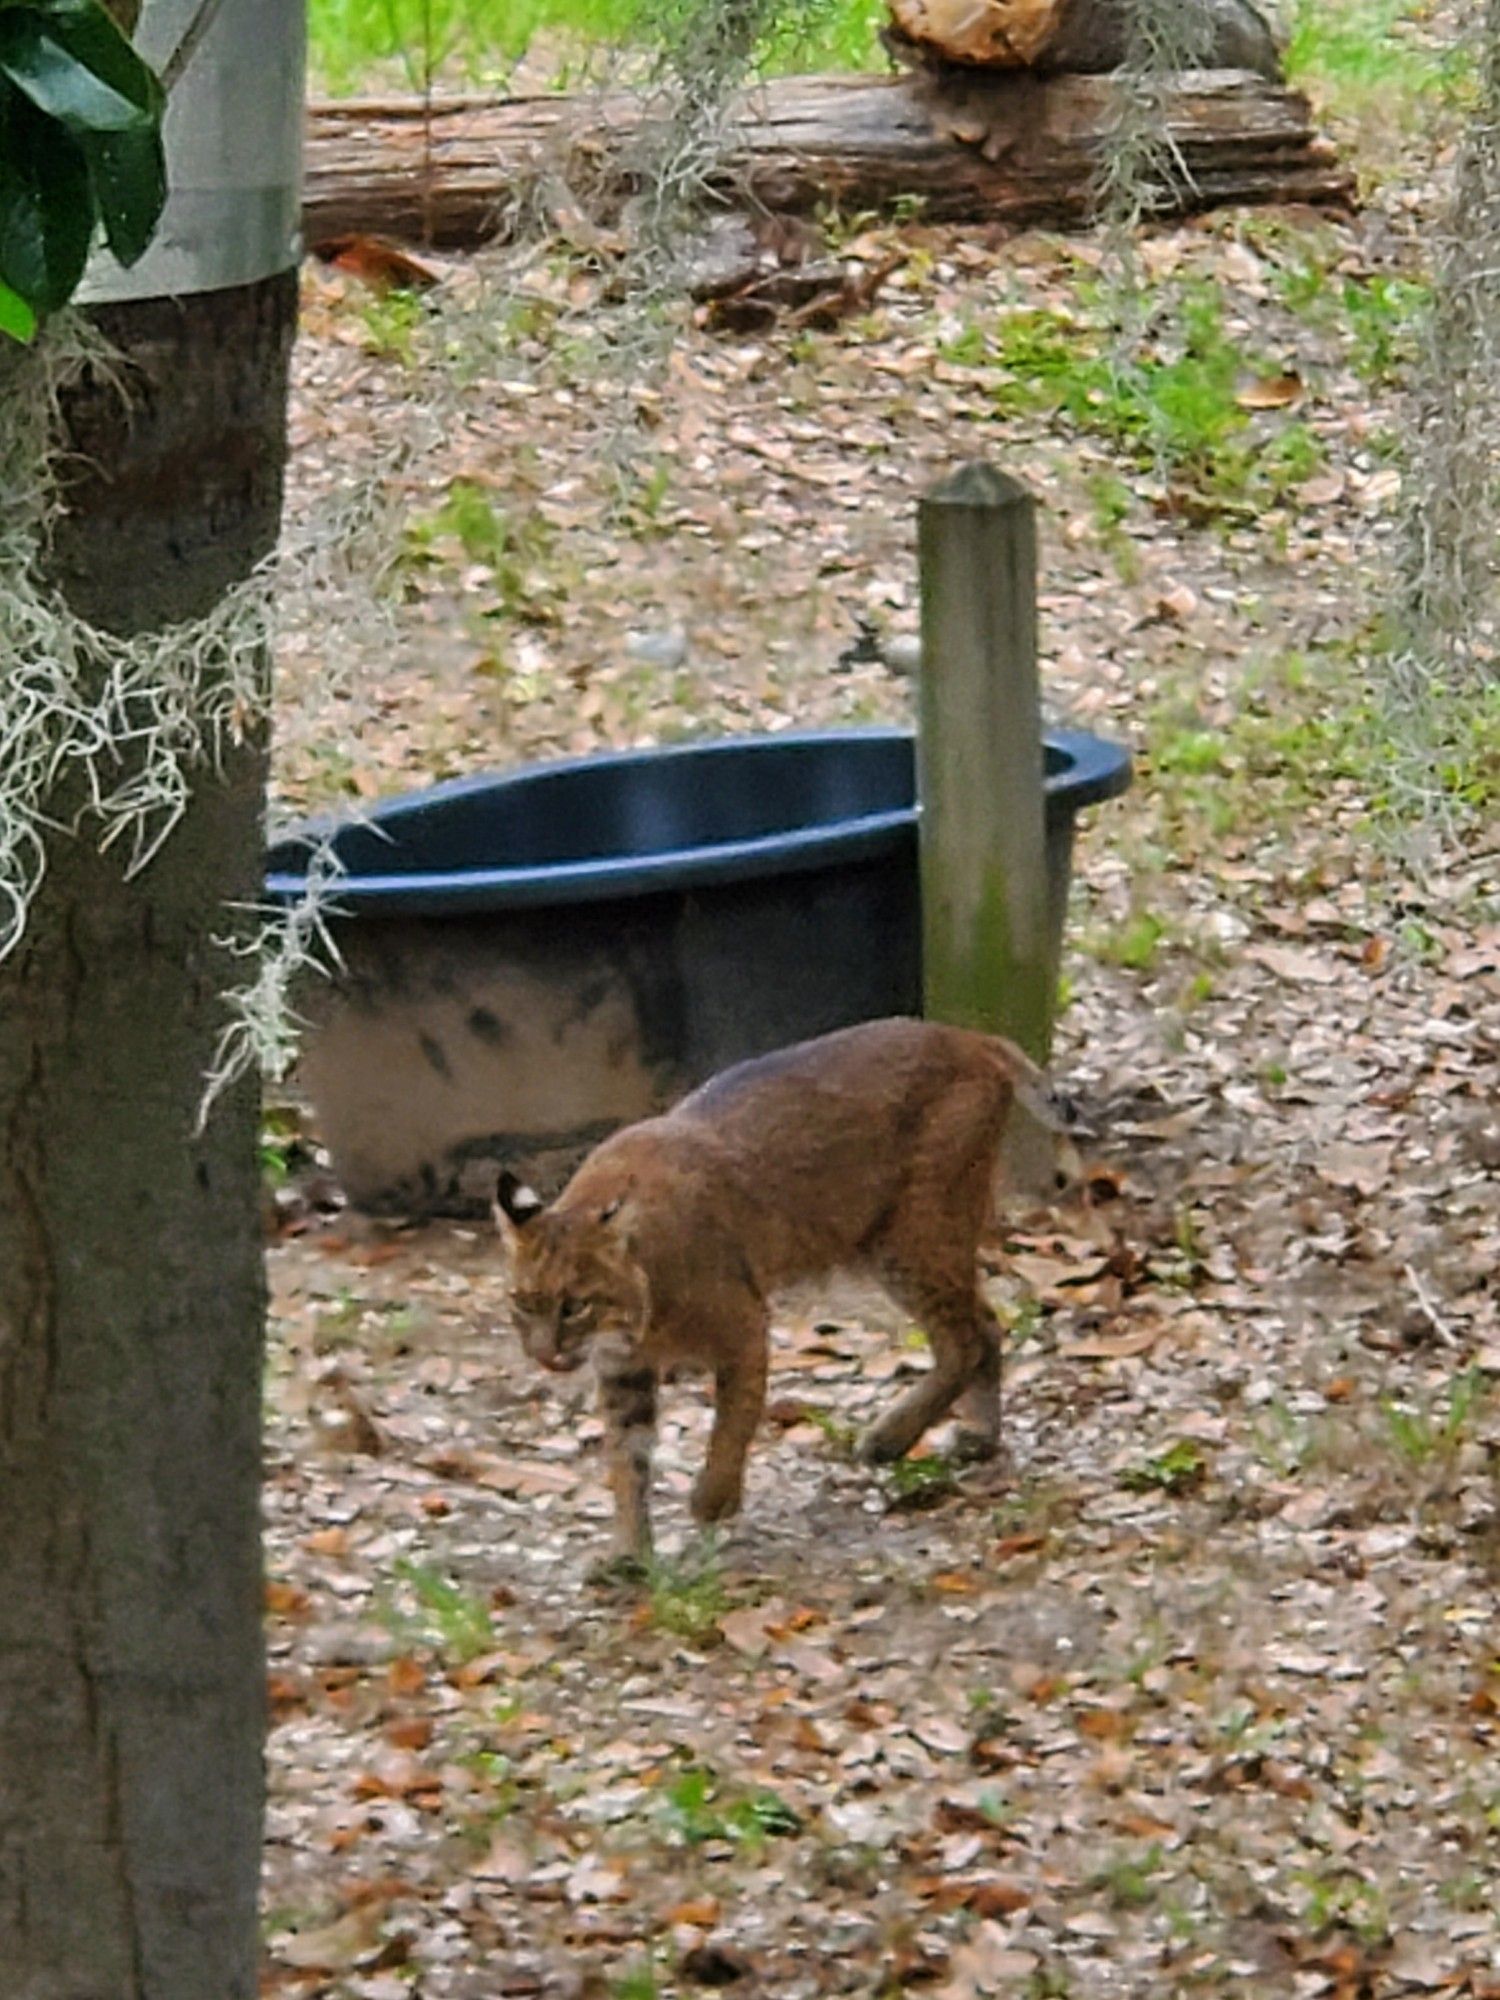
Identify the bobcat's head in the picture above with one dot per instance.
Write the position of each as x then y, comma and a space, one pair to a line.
572, 1275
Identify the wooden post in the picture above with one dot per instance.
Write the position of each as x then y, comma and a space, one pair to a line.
988, 958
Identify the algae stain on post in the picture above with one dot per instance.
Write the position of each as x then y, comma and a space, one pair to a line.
988, 952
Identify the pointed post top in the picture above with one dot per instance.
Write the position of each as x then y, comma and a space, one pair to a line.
978, 484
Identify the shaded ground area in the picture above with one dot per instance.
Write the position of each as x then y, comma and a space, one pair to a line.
1199, 1690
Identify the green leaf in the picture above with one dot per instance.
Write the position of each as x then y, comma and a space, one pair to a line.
16, 317
46, 210
91, 34
129, 175
73, 63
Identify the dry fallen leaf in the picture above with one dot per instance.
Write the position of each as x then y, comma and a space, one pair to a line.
1301, 968
327, 1542
286, 1600
378, 261
747, 1629
1366, 1169
406, 1676
504, 1861
401, 1775
1111, 1346
596, 1881
1270, 392
986, 1963
1177, 603
409, 1732
700, 1911
1322, 489
941, 1733
334, 1947
1010, 1546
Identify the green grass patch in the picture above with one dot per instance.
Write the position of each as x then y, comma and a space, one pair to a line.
1129, 1879
1177, 408
1181, 1468
842, 1437
918, 1483
459, 45
1310, 731
392, 323
282, 1145
1334, 1899
1378, 315
426, 1611
1423, 1430
1363, 61
687, 1595
697, 1806
1384, 317
638, 1983
1132, 945
469, 530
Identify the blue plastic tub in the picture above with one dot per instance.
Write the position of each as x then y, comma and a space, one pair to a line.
645, 821
532, 959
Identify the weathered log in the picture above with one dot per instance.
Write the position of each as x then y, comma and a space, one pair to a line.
1079, 35
973, 147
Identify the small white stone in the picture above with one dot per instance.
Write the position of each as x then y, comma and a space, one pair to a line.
664, 649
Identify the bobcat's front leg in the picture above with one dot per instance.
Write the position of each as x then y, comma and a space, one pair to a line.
627, 1401
739, 1399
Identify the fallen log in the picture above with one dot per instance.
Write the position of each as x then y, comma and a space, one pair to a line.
1093, 35
975, 146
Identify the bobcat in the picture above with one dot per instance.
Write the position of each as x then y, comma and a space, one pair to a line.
873, 1149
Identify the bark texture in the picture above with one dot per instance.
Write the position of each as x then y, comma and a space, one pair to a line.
131, 1301
976, 146
1087, 35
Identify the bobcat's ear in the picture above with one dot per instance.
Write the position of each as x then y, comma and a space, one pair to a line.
519, 1202
515, 1206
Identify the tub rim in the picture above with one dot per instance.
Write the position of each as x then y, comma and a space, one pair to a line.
1096, 770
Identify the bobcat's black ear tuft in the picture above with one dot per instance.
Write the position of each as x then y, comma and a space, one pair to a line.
519, 1203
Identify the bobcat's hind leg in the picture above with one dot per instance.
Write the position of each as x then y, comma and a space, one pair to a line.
926, 1258
962, 1358
627, 1401
739, 1399
978, 1407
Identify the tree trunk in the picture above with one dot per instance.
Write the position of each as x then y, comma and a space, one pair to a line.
131, 1301
975, 146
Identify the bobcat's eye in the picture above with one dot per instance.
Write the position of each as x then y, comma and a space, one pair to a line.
573, 1312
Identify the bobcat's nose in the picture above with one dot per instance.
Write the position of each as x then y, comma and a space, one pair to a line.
560, 1360
550, 1350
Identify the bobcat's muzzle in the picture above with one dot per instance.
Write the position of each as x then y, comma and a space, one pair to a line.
553, 1350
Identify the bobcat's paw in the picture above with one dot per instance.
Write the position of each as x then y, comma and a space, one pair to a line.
616, 1572
973, 1446
877, 1446
714, 1500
